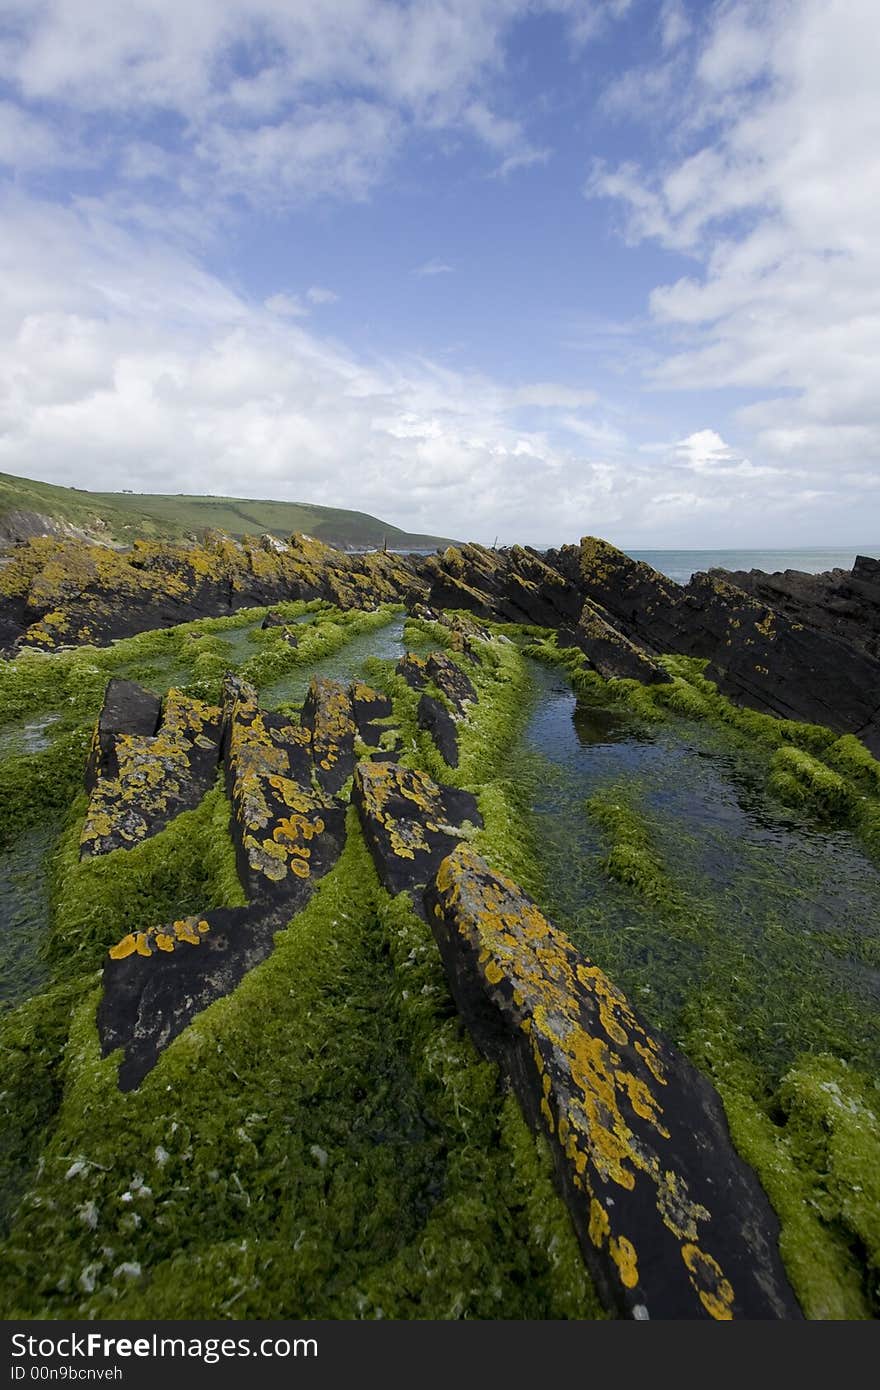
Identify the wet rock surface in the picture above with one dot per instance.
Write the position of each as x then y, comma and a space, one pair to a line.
671, 1222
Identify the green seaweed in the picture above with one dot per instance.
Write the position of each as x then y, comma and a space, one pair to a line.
309, 1147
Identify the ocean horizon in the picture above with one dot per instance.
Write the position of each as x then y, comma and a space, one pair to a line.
680, 565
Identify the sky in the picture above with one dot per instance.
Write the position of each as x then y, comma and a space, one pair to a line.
513, 269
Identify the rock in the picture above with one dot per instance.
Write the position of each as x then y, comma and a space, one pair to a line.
261, 741
515, 585
437, 720
414, 671
671, 1222
609, 652
368, 705
286, 837
327, 714
127, 709
273, 619
450, 680
757, 656
157, 776
157, 981
409, 822
67, 591
842, 603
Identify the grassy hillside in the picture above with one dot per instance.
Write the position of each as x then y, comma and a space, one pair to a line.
123, 516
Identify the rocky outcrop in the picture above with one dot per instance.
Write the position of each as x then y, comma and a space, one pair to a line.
287, 835
127, 709
409, 822
671, 1222
609, 652
450, 680
327, 715
515, 585
843, 603
414, 671
56, 592
438, 722
140, 781
757, 655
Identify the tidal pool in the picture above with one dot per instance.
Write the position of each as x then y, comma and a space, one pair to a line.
344, 665
774, 919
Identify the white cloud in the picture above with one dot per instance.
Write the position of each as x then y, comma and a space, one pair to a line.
779, 210
124, 364
433, 267
318, 294
288, 306
278, 99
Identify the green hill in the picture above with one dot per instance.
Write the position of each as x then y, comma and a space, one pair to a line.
33, 508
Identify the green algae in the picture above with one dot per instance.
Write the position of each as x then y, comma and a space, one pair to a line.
188, 867
269, 1133
328, 634
741, 957
632, 858
24, 914
322, 1142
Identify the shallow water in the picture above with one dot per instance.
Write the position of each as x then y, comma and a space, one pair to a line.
26, 735
343, 665
779, 919
24, 914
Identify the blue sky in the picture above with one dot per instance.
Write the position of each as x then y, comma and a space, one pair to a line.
482, 267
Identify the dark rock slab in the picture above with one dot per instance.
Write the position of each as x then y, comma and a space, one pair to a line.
409, 822
842, 603
285, 835
262, 741
413, 669
451, 680
367, 706
438, 722
127, 709
327, 714
609, 652
156, 981
671, 1222
157, 776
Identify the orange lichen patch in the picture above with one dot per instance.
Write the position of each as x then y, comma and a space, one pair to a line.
599, 1070
364, 694
187, 930
623, 1253
156, 776
290, 818
713, 1290
380, 784
327, 711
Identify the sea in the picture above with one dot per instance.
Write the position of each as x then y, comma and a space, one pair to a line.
681, 564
